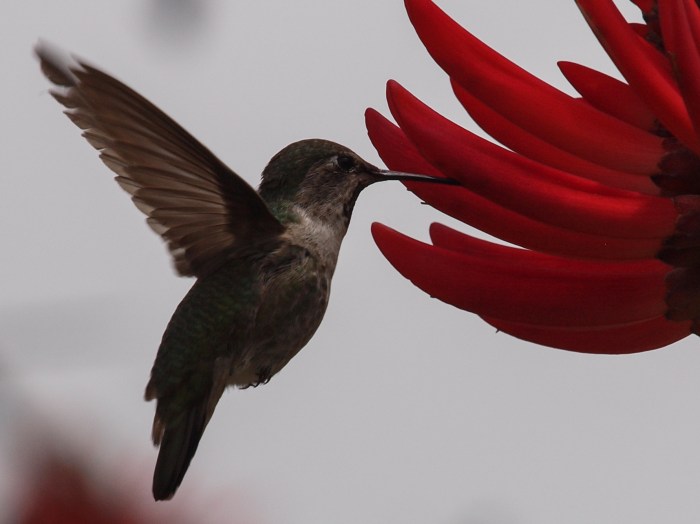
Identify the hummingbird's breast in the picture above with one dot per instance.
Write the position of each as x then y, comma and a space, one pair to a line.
255, 313
295, 287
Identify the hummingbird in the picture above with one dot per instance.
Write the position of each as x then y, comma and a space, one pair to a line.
263, 260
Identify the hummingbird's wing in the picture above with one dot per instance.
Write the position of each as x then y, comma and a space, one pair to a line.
201, 208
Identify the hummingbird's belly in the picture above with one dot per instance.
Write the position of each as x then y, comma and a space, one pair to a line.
292, 307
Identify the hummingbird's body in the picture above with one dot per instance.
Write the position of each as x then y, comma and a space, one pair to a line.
238, 326
263, 260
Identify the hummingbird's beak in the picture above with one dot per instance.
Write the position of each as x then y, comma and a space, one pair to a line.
384, 174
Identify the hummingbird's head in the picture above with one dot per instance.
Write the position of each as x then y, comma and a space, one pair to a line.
323, 178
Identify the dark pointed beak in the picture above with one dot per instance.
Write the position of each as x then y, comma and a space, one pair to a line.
384, 174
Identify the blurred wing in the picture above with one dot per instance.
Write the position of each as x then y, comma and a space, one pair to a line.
201, 208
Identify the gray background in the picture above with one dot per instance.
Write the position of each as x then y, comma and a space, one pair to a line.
401, 409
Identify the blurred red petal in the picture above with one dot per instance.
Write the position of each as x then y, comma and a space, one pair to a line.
65, 493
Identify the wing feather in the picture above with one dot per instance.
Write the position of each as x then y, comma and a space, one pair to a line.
202, 209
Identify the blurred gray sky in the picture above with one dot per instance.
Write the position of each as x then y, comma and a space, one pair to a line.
401, 409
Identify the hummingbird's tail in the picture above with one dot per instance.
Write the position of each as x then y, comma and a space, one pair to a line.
178, 444
179, 424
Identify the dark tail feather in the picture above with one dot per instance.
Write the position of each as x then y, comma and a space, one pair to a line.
177, 448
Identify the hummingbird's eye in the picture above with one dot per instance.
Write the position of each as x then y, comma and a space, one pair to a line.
346, 163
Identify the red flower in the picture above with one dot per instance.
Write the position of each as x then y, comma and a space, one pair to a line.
63, 493
59, 482
603, 191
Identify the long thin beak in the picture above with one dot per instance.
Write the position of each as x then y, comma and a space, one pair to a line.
412, 177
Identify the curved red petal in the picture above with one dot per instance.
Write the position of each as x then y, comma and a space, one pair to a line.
616, 340
640, 29
447, 238
609, 95
644, 67
540, 237
530, 146
525, 186
399, 154
680, 25
522, 286
529, 102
